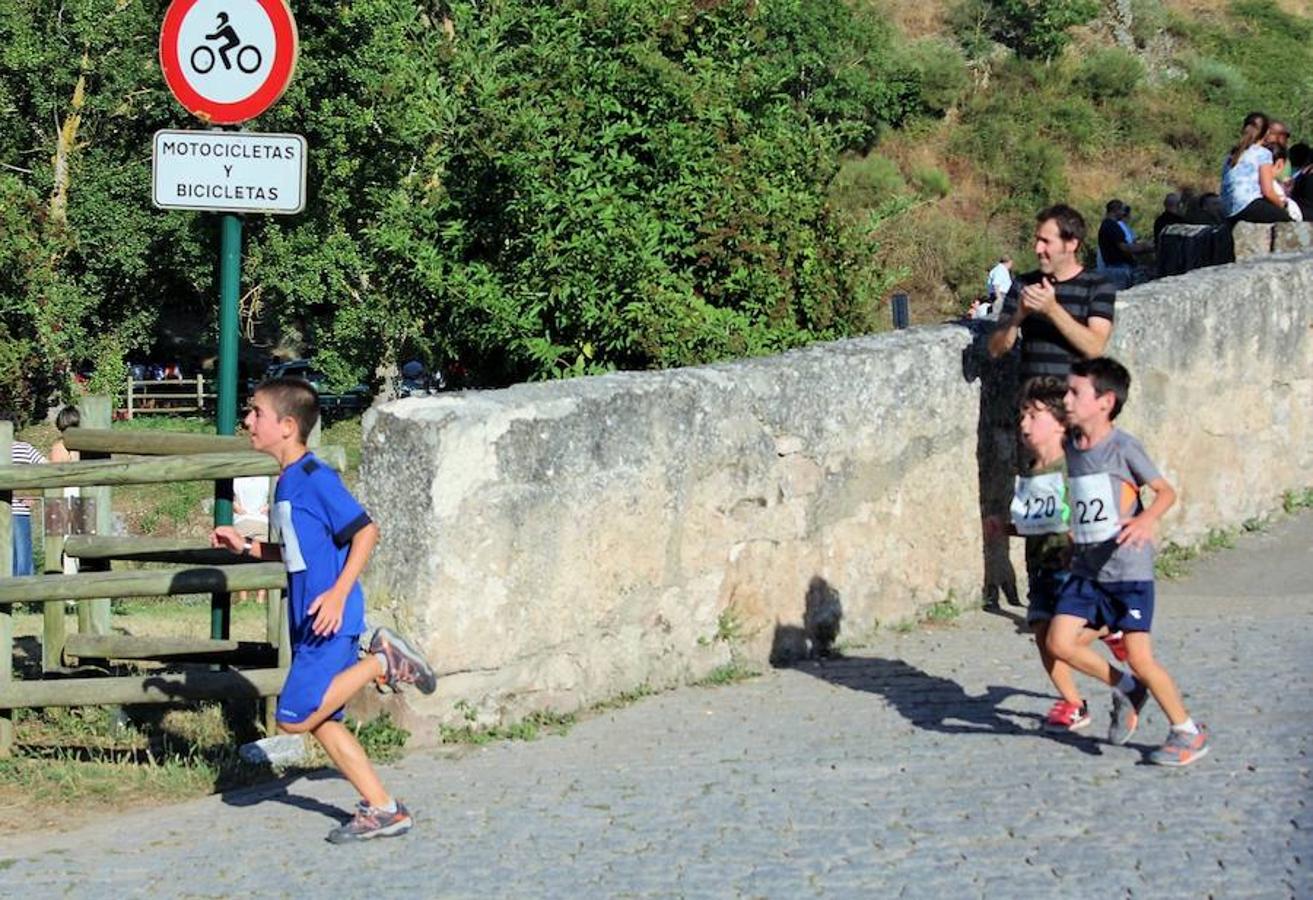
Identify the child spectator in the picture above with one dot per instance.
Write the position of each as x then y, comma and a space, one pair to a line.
327, 538
1111, 580
67, 418
1041, 514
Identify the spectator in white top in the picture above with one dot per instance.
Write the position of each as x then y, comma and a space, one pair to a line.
21, 453
1249, 177
997, 285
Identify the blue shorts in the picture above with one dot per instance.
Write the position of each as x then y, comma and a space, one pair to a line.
1042, 592
314, 666
1120, 605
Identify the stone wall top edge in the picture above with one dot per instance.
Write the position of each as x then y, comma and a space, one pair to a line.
912, 343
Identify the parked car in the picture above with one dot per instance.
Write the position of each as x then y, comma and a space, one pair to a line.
354, 398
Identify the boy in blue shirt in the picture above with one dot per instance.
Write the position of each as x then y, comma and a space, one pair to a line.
327, 538
1111, 580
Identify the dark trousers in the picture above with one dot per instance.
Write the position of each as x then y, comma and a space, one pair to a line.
1263, 211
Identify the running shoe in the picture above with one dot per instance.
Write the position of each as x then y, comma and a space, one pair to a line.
1065, 717
1126, 713
370, 822
1116, 645
1180, 748
405, 664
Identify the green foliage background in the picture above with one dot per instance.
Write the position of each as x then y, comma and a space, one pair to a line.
533, 189
541, 190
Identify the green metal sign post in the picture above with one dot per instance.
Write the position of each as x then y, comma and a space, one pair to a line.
225, 418
205, 171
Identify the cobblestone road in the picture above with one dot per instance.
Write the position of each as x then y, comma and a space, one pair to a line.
911, 768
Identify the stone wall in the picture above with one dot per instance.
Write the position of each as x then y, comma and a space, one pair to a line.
552, 545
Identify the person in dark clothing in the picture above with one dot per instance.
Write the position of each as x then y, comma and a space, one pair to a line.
1171, 215
1301, 182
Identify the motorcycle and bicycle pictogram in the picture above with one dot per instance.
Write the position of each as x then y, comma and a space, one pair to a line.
248, 55
227, 61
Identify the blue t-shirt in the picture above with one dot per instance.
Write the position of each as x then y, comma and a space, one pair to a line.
317, 517
1240, 186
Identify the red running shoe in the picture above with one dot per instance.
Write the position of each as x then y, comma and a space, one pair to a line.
1065, 717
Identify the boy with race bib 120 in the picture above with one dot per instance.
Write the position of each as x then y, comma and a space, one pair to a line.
1111, 580
1040, 513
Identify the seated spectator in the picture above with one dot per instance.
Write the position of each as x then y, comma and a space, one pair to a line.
1249, 177
1171, 215
1290, 206
1117, 246
1301, 179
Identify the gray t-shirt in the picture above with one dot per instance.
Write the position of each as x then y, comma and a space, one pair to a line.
1104, 483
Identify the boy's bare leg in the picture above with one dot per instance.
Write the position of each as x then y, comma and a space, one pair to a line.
350, 758
1059, 671
1069, 640
338, 742
1139, 656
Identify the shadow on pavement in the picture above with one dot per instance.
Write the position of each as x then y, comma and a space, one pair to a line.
936, 703
279, 792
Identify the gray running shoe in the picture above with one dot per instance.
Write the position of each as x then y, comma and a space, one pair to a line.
1126, 713
1181, 749
369, 823
406, 665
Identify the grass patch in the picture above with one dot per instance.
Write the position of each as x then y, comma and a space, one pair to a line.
1293, 501
382, 739
730, 673
1174, 560
530, 728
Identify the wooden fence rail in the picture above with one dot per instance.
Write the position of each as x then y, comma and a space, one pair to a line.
142, 458
167, 395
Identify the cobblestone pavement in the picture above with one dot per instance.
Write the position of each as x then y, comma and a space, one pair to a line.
913, 767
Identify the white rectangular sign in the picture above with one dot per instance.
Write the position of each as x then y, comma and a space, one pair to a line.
229, 171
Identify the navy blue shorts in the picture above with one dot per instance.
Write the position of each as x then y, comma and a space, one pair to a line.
1042, 593
1120, 605
314, 666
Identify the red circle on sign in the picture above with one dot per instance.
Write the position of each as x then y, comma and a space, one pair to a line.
263, 97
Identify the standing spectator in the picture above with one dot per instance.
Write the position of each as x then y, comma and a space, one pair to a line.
1249, 177
68, 417
1171, 215
1062, 312
998, 283
21, 453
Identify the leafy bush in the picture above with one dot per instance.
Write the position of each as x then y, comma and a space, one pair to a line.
942, 73
1218, 81
1033, 29
866, 182
1111, 72
932, 181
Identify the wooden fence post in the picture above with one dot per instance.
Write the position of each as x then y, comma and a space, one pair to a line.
58, 513
129, 398
6, 611
97, 412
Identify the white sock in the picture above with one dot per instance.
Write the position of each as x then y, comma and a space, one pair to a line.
1188, 726
1127, 683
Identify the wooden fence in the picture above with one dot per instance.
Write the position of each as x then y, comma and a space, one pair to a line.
172, 395
231, 670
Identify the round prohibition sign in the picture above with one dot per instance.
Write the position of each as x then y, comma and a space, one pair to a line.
227, 61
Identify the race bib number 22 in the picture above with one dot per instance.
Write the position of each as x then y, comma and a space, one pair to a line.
1094, 514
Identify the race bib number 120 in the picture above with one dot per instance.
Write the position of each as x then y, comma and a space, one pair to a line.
1094, 514
1039, 505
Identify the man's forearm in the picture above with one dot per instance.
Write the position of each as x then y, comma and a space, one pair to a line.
1088, 342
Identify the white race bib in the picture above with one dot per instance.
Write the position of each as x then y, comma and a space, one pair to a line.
292, 558
1095, 517
1039, 505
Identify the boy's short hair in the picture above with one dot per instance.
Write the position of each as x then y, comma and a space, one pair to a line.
1071, 224
294, 398
68, 417
1048, 391
1108, 377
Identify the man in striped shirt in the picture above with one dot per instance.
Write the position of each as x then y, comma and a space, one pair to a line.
21, 453
1062, 312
